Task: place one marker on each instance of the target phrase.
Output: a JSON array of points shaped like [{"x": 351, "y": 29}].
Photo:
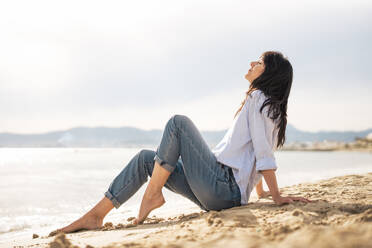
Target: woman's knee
[
  {"x": 146, "y": 155},
  {"x": 180, "y": 120}
]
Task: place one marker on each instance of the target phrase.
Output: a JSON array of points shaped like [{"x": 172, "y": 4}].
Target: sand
[{"x": 339, "y": 216}]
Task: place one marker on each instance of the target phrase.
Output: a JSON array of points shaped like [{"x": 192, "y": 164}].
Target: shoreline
[
  {"x": 340, "y": 215},
  {"x": 289, "y": 149},
  {"x": 369, "y": 150}
]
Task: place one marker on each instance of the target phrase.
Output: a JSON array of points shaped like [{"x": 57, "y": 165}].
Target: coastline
[
  {"x": 340, "y": 215},
  {"x": 366, "y": 150}
]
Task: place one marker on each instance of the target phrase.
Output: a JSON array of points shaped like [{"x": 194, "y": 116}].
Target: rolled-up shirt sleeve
[{"x": 262, "y": 133}]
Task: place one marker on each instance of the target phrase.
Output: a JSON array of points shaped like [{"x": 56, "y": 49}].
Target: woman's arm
[
  {"x": 261, "y": 130},
  {"x": 270, "y": 180},
  {"x": 259, "y": 188}
]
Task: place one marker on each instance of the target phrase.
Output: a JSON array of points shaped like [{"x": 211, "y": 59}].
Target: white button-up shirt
[{"x": 249, "y": 144}]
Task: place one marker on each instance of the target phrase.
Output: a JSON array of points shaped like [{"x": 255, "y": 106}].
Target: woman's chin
[{"x": 246, "y": 77}]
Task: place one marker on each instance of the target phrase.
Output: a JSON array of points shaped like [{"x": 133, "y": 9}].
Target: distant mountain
[
  {"x": 84, "y": 137},
  {"x": 293, "y": 134},
  {"x": 130, "y": 136}
]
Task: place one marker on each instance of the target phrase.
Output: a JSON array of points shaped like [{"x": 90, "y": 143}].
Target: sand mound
[
  {"x": 339, "y": 216},
  {"x": 61, "y": 241}
]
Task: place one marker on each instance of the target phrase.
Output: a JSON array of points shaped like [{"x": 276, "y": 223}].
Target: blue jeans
[{"x": 196, "y": 175}]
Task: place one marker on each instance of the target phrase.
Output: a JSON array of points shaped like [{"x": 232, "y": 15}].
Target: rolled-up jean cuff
[
  {"x": 164, "y": 164},
  {"x": 112, "y": 199}
]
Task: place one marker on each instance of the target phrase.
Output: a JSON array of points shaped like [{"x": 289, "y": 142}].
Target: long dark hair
[{"x": 275, "y": 82}]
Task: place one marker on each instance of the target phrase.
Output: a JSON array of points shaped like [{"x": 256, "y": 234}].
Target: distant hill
[
  {"x": 293, "y": 134},
  {"x": 134, "y": 137}
]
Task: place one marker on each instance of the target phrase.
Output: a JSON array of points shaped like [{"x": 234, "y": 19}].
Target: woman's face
[{"x": 257, "y": 68}]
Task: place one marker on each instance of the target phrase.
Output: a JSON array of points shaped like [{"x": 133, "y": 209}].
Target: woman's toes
[
  {"x": 135, "y": 221},
  {"x": 148, "y": 204},
  {"x": 53, "y": 233},
  {"x": 88, "y": 222}
]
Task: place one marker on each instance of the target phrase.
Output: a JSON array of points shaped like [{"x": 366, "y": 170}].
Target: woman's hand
[
  {"x": 289, "y": 199},
  {"x": 263, "y": 194},
  {"x": 270, "y": 179}
]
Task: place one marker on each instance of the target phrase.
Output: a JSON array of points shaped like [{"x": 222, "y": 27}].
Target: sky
[{"x": 65, "y": 64}]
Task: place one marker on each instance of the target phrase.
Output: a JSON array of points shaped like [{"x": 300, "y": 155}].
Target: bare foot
[
  {"x": 149, "y": 203},
  {"x": 87, "y": 222}
]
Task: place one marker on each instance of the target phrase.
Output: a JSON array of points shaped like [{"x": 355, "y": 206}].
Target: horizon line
[{"x": 157, "y": 129}]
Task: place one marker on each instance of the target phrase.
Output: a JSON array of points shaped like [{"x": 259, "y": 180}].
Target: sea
[{"x": 42, "y": 189}]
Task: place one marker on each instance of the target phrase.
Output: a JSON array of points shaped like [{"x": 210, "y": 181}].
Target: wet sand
[{"x": 339, "y": 216}]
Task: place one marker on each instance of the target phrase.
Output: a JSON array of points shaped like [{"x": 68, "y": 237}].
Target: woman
[{"x": 218, "y": 179}]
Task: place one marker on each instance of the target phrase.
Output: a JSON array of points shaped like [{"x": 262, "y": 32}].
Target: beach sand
[{"x": 339, "y": 216}]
